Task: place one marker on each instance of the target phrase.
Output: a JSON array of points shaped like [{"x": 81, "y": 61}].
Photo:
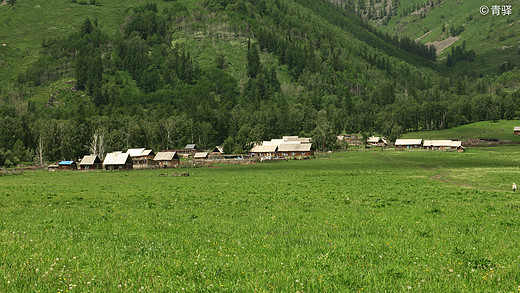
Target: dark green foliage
[
  {"x": 138, "y": 90},
  {"x": 253, "y": 60},
  {"x": 459, "y": 53},
  {"x": 456, "y": 30}
]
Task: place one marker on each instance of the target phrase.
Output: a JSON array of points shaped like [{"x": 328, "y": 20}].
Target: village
[{"x": 288, "y": 147}]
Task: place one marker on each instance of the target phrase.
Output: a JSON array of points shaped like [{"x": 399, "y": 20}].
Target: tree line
[{"x": 136, "y": 89}]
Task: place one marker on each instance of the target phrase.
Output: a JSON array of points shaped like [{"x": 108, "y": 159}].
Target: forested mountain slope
[
  {"x": 490, "y": 36},
  {"x": 161, "y": 74}
]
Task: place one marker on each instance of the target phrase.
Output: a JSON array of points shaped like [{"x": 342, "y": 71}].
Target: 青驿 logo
[
  {"x": 484, "y": 10},
  {"x": 496, "y": 10}
]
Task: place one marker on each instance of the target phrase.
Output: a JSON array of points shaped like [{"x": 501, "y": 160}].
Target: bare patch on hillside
[{"x": 440, "y": 46}]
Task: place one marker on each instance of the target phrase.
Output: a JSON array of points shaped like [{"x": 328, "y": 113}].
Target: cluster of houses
[
  {"x": 131, "y": 159},
  {"x": 141, "y": 158},
  {"x": 400, "y": 144},
  {"x": 455, "y": 145},
  {"x": 287, "y": 146}
]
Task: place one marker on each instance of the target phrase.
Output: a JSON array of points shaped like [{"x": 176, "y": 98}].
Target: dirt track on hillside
[{"x": 440, "y": 46}]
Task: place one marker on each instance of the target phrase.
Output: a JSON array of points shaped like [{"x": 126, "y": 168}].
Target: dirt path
[
  {"x": 440, "y": 46},
  {"x": 440, "y": 177},
  {"x": 422, "y": 37}
]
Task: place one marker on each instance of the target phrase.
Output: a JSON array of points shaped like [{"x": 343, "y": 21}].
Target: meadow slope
[
  {"x": 502, "y": 130},
  {"x": 355, "y": 221}
]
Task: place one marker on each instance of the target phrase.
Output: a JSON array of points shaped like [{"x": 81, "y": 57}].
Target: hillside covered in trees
[
  {"x": 490, "y": 38},
  {"x": 229, "y": 73}
]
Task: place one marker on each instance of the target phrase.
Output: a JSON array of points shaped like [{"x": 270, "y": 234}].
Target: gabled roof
[
  {"x": 218, "y": 149},
  {"x": 165, "y": 156},
  {"x": 191, "y": 146},
  {"x": 408, "y": 141},
  {"x": 517, "y": 128},
  {"x": 294, "y": 147},
  {"x": 117, "y": 158},
  {"x": 264, "y": 149},
  {"x": 373, "y": 139},
  {"x": 456, "y": 143},
  {"x": 296, "y": 139},
  {"x": 139, "y": 152},
  {"x": 437, "y": 143},
  {"x": 147, "y": 153},
  {"x": 135, "y": 152},
  {"x": 66, "y": 163},
  {"x": 201, "y": 155},
  {"x": 90, "y": 160}
]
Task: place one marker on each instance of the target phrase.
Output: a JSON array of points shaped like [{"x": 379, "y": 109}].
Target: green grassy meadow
[
  {"x": 502, "y": 130},
  {"x": 350, "y": 222}
]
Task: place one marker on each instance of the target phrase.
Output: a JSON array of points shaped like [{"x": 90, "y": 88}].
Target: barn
[
  {"x": 408, "y": 143},
  {"x": 67, "y": 165},
  {"x": 516, "y": 130},
  {"x": 142, "y": 158},
  {"x": 91, "y": 162},
  {"x": 167, "y": 159},
  {"x": 118, "y": 161}
]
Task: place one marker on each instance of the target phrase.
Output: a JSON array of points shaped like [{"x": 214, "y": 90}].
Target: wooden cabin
[
  {"x": 285, "y": 147},
  {"x": 201, "y": 156},
  {"x": 516, "y": 130},
  {"x": 376, "y": 141},
  {"x": 142, "y": 158},
  {"x": 67, "y": 165},
  {"x": 167, "y": 159},
  {"x": 289, "y": 149},
  {"x": 437, "y": 144},
  {"x": 264, "y": 151},
  {"x": 408, "y": 143},
  {"x": 190, "y": 148},
  {"x": 457, "y": 145},
  {"x": 217, "y": 151},
  {"x": 53, "y": 168},
  {"x": 118, "y": 161},
  {"x": 91, "y": 162}
]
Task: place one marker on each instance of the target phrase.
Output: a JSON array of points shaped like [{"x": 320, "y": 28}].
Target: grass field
[
  {"x": 354, "y": 221},
  {"x": 502, "y": 130}
]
